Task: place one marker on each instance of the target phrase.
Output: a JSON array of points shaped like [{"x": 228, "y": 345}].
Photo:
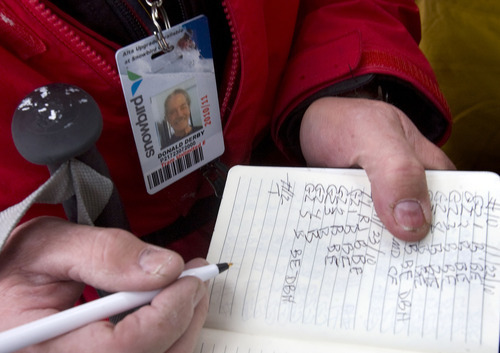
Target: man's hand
[
  {"x": 46, "y": 261},
  {"x": 378, "y": 137}
]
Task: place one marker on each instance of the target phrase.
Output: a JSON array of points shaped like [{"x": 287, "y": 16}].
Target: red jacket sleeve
[{"x": 338, "y": 40}]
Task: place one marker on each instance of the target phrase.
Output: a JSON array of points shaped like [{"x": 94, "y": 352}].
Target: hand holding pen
[{"x": 46, "y": 261}]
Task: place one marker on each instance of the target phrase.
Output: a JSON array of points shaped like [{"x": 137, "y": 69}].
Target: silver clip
[{"x": 159, "y": 14}]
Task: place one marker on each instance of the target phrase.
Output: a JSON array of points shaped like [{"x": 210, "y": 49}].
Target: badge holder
[{"x": 168, "y": 80}]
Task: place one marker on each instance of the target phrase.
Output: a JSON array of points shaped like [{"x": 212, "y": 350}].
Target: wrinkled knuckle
[
  {"x": 405, "y": 172},
  {"x": 175, "y": 315},
  {"x": 204, "y": 305},
  {"x": 103, "y": 246},
  {"x": 411, "y": 168},
  {"x": 177, "y": 321},
  {"x": 381, "y": 108}
]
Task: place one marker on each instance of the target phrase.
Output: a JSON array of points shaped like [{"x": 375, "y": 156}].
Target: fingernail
[
  {"x": 154, "y": 261},
  {"x": 409, "y": 215}
]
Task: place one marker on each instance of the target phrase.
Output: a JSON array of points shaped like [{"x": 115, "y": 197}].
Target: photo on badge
[{"x": 177, "y": 113}]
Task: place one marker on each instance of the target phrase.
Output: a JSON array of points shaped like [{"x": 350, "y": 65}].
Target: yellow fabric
[{"x": 461, "y": 38}]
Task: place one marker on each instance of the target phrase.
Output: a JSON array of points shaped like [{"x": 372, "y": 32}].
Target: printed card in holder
[{"x": 172, "y": 102}]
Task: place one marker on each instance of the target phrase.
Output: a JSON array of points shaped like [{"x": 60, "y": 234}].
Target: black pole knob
[{"x": 55, "y": 123}]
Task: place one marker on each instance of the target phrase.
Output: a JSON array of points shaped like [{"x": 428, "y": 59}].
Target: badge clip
[{"x": 159, "y": 14}]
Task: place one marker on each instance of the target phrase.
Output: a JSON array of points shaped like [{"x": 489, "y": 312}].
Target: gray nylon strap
[{"x": 73, "y": 178}]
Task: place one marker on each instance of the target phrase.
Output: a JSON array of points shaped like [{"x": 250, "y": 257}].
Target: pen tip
[{"x": 224, "y": 266}]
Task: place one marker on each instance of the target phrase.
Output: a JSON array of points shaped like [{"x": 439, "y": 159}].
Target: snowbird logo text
[{"x": 142, "y": 122}]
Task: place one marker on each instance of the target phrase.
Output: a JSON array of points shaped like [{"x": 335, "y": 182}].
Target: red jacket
[{"x": 282, "y": 52}]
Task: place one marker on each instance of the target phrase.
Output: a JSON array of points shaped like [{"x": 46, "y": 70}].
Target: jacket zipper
[
  {"x": 134, "y": 23},
  {"x": 74, "y": 42},
  {"x": 183, "y": 10},
  {"x": 232, "y": 77}
]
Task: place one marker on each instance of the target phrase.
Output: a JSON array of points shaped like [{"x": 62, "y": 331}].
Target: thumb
[
  {"x": 398, "y": 180},
  {"x": 111, "y": 259},
  {"x": 401, "y": 198}
]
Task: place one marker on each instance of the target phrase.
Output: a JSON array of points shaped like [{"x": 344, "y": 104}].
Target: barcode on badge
[{"x": 176, "y": 166}]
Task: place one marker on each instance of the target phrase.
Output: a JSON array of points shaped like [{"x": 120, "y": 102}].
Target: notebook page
[
  {"x": 312, "y": 259},
  {"x": 216, "y": 341}
]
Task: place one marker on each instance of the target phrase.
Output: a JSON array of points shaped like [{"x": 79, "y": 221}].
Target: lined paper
[{"x": 311, "y": 257}]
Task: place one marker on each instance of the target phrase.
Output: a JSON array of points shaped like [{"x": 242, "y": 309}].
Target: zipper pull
[{"x": 215, "y": 173}]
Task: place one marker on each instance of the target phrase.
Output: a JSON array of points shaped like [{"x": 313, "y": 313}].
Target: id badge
[{"x": 172, "y": 102}]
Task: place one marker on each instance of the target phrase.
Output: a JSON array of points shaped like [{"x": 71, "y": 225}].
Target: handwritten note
[{"x": 310, "y": 252}]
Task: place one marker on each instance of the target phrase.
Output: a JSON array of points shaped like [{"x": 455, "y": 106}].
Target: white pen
[{"x": 68, "y": 320}]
